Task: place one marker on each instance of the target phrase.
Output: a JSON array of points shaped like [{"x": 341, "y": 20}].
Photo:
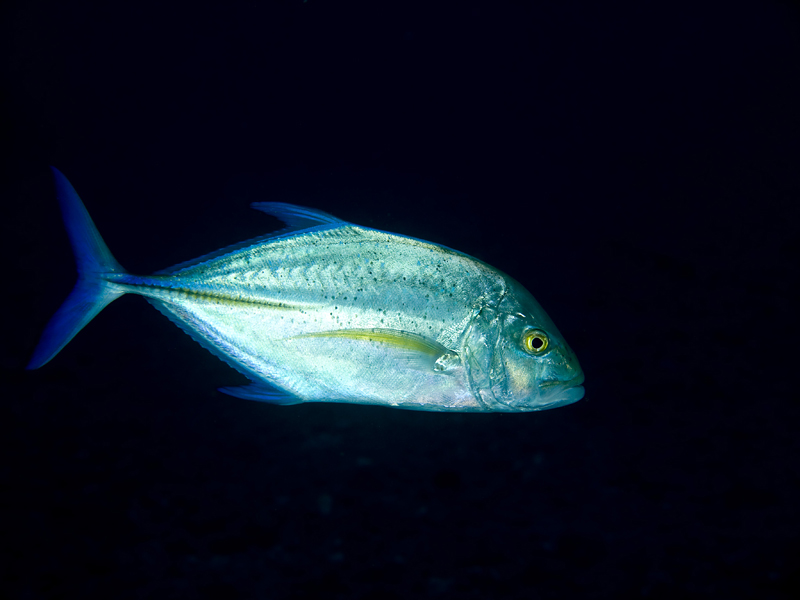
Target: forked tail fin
[{"x": 93, "y": 292}]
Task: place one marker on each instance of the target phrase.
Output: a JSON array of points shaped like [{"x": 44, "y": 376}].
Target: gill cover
[{"x": 482, "y": 363}]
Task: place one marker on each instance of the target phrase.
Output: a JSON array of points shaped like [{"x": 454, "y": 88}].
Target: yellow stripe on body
[{"x": 395, "y": 338}]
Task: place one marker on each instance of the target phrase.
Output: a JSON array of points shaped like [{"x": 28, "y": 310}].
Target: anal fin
[{"x": 261, "y": 392}]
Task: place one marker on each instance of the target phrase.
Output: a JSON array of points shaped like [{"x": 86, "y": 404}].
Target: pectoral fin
[{"x": 413, "y": 349}]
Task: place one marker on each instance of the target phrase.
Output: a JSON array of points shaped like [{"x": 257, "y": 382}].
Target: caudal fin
[{"x": 93, "y": 292}]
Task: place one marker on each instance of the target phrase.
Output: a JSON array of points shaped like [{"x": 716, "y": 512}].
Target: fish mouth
[
  {"x": 568, "y": 392},
  {"x": 576, "y": 381}
]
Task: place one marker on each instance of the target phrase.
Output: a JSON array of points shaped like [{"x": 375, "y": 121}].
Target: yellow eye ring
[{"x": 535, "y": 341}]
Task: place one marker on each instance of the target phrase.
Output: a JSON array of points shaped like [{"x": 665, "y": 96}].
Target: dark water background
[{"x": 636, "y": 166}]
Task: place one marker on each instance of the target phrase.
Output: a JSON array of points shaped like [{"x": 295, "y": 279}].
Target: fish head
[{"x": 530, "y": 365}]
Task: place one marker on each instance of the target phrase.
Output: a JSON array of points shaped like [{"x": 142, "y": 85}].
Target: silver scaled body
[{"x": 328, "y": 311}]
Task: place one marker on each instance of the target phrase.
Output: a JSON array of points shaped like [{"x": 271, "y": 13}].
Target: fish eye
[{"x": 535, "y": 341}]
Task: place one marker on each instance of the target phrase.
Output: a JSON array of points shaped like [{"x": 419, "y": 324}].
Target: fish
[{"x": 325, "y": 310}]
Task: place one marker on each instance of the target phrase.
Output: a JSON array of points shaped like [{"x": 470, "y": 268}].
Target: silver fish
[{"x": 329, "y": 311}]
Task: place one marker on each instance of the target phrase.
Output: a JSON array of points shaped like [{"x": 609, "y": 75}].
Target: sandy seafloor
[{"x": 636, "y": 167}]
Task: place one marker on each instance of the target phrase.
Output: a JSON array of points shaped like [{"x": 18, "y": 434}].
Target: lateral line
[{"x": 143, "y": 288}]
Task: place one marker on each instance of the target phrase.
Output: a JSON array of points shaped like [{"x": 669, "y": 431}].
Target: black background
[{"x": 634, "y": 164}]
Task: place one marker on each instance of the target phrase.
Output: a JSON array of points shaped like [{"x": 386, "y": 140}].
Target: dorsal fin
[{"x": 297, "y": 219}]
